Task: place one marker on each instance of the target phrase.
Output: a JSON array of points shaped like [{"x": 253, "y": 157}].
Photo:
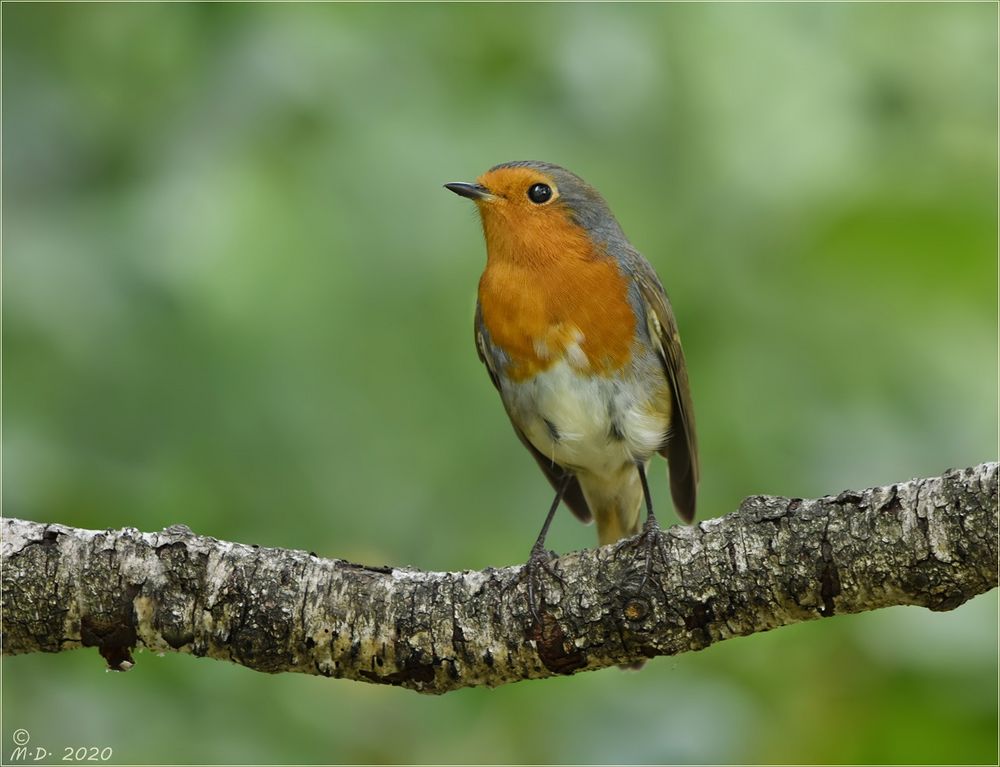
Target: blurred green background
[{"x": 237, "y": 297}]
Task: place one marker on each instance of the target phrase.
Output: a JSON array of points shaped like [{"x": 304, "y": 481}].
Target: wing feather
[{"x": 681, "y": 448}]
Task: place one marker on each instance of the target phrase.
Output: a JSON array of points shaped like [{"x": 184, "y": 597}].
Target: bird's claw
[
  {"x": 650, "y": 542},
  {"x": 538, "y": 561}
]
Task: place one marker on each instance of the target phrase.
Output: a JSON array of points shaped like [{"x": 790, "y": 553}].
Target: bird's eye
[{"x": 539, "y": 193}]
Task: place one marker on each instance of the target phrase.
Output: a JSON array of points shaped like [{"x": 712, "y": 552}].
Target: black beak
[{"x": 472, "y": 191}]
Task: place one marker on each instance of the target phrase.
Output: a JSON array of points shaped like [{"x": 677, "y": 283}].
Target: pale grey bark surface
[{"x": 774, "y": 562}]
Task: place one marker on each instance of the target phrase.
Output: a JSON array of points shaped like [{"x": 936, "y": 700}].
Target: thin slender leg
[
  {"x": 651, "y": 536},
  {"x": 650, "y": 517},
  {"x": 539, "y": 558},
  {"x": 560, "y": 491}
]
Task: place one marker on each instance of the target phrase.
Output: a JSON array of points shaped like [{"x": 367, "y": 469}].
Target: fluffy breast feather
[
  {"x": 539, "y": 316},
  {"x": 595, "y": 424}
]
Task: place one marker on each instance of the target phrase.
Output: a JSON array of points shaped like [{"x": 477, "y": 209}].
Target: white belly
[{"x": 587, "y": 423}]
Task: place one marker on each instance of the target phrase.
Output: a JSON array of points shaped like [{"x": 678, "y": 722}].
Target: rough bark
[{"x": 774, "y": 562}]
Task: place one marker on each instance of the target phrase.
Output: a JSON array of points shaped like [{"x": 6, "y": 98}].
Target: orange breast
[{"x": 548, "y": 295}]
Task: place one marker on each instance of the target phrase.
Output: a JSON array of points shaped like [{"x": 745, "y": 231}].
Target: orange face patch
[{"x": 548, "y": 293}]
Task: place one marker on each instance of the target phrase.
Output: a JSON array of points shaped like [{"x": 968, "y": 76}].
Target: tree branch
[{"x": 774, "y": 562}]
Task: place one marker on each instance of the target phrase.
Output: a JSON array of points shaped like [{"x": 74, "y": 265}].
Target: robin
[{"x": 579, "y": 338}]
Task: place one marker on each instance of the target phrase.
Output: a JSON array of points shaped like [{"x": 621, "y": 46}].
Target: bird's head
[{"x": 536, "y": 210}]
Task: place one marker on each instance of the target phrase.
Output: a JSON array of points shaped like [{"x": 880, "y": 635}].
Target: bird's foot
[
  {"x": 538, "y": 563},
  {"x": 650, "y": 544}
]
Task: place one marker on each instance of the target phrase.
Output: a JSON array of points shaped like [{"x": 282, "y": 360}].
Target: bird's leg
[
  {"x": 539, "y": 557},
  {"x": 651, "y": 538}
]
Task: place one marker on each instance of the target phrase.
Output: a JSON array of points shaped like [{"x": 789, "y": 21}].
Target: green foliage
[{"x": 237, "y": 297}]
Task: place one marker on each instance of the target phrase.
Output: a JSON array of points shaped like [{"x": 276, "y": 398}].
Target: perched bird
[{"x": 579, "y": 338}]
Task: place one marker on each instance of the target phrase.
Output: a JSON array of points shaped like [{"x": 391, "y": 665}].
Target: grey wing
[
  {"x": 681, "y": 449},
  {"x": 573, "y": 496}
]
